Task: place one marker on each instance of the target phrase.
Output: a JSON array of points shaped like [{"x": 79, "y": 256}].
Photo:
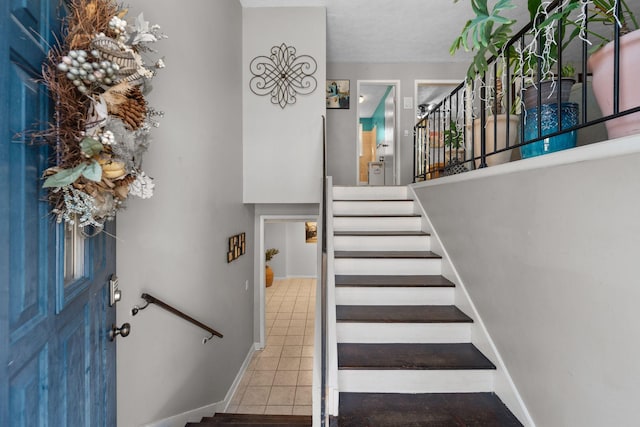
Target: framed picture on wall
[
  {"x": 337, "y": 93},
  {"x": 311, "y": 232}
]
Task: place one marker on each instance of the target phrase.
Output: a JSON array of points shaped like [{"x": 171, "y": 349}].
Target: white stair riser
[
  {"x": 377, "y": 224},
  {"x": 387, "y": 266},
  {"x": 393, "y": 333},
  {"x": 394, "y": 296},
  {"x": 415, "y": 381},
  {"x": 382, "y": 243},
  {"x": 370, "y": 193},
  {"x": 373, "y": 208}
]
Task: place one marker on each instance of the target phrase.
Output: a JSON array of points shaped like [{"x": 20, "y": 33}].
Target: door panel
[{"x": 57, "y": 364}]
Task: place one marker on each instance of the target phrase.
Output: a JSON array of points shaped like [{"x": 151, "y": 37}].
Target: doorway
[{"x": 377, "y": 132}]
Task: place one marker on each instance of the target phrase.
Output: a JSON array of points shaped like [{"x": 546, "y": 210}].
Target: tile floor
[{"x": 279, "y": 378}]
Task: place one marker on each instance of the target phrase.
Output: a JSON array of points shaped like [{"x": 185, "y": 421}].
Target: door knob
[{"x": 123, "y": 331}]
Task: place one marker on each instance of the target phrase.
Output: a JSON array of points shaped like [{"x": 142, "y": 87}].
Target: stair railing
[
  {"x": 150, "y": 299},
  {"x": 454, "y": 115}
]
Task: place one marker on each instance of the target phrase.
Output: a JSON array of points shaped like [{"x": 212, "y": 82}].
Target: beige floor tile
[
  {"x": 303, "y": 396},
  {"x": 281, "y": 395},
  {"x": 269, "y": 322},
  {"x": 282, "y": 323},
  {"x": 291, "y": 351},
  {"x": 305, "y": 378},
  {"x": 296, "y": 316},
  {"x": 297, "y": 323},
  {"x": 306, "y": 364},
  {"x": 302, "y": 410},
  {"x": 275, "y": 340},
  {"x": 255, "y": 395},
  {"x": 252, "y": 364},
  {"x": 296, "y": 331},
  {"x": 270, "y": 315},
  {"x": 289, "y": 364},
  {"x": 267, "y": 364},
  {"x": 251, "y": 409},
  {"x": 308, "y": 340},
  {"x": 237, "y": 396},
  {"x": 271, "y": 351},
  {"x": 307, "y": 351},
  {"x": 295, "y": 340},
  {"x": 285, "y": 309},
  {"x": 308, "y": 331},
  {"x": 279, "y": 410},
  {"x": 283, "y": 316},
  {"x": 244, "y": 381},
  {"x": 286, "y": 377},
  {"x": 278, "y": 331},
  {"x": 262, "y": 378}
]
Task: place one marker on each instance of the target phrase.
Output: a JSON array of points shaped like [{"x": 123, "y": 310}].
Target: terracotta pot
[
  {"x": 501, "y": 139},
  {"x": 268, "y": 275},
  {"x": 601, "y": 65}
]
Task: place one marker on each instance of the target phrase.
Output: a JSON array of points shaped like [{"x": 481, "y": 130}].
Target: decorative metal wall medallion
[{"x": 283, "y": 75}]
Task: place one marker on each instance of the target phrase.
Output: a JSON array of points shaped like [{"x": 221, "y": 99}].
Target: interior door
[{"x": 57, "y": 363}]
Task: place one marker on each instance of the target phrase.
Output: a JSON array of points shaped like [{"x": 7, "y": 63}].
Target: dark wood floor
[{"x": 428, "y": 410}]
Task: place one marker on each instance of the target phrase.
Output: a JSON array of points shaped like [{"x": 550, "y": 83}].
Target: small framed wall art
[
  {"x": 237, "y": 246},
  {"x": 337, "y": 93}
]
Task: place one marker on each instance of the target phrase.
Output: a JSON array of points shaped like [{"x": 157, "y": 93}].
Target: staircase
[{"x": 404, "y": 351}]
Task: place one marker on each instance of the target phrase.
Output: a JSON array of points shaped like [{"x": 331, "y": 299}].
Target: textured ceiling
[{"x": 391, "y": 31}]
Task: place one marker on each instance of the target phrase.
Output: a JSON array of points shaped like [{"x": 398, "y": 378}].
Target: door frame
[
  {"x": 260, "y": 292},
  {"x": 396, "y": 132}
]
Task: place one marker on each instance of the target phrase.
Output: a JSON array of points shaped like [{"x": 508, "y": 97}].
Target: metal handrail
[
  {"x": 323, "y": 281},
  {"x": 150, "y": 299}
]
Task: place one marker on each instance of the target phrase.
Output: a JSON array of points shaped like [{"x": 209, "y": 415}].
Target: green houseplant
[
  {"x": 486, "y": 34},
  {"x": 268, "y": 255}
]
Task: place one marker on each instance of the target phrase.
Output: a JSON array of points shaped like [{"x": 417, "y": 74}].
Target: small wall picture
[
  {"x": 338, "y": 93},
  {"x": 311, "y": 231},
  {"x": 237, "y": 247}
]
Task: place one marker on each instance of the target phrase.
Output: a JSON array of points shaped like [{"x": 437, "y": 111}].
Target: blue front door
[{"x": 57, "y": 364}]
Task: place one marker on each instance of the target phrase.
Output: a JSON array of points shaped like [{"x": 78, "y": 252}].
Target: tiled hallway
[{"x": 279, "y": 378}]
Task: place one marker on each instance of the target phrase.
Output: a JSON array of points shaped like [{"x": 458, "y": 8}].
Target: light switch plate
[{"x": 408, "y": 103}]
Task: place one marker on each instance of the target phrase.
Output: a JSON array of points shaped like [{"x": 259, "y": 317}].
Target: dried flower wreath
[{"x": 97, "y": 79}]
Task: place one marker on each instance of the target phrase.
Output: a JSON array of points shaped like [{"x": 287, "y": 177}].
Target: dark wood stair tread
[
  {"x": 427, "y": 409},
  {"x": 380, "y": 233},
  {"x": 401, "y": 314},
  {"x": 411, "y": 356},
  {"x": 223, "y": 418},
  {"x": 386, "y": 254},
  {"x": 411, "y": 281}
]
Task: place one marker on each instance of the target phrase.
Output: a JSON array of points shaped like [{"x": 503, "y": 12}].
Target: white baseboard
[{"x": 196, "y": 415}]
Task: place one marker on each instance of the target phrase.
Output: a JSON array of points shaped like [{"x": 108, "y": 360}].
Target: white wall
[
  {"x": 342, "y": 131},
  {"x": 302, "y": 257},
  {"x": 296, "y": 258},
  {"x": 174, "y": 245},
  {"x": 283, "y": 147},
  {"x": 275, "y": 236},
  {"x": 548, "y": 256}
]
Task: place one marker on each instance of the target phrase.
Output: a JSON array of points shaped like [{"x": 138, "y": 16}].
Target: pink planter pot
[{"x": 601, "y": 65}]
